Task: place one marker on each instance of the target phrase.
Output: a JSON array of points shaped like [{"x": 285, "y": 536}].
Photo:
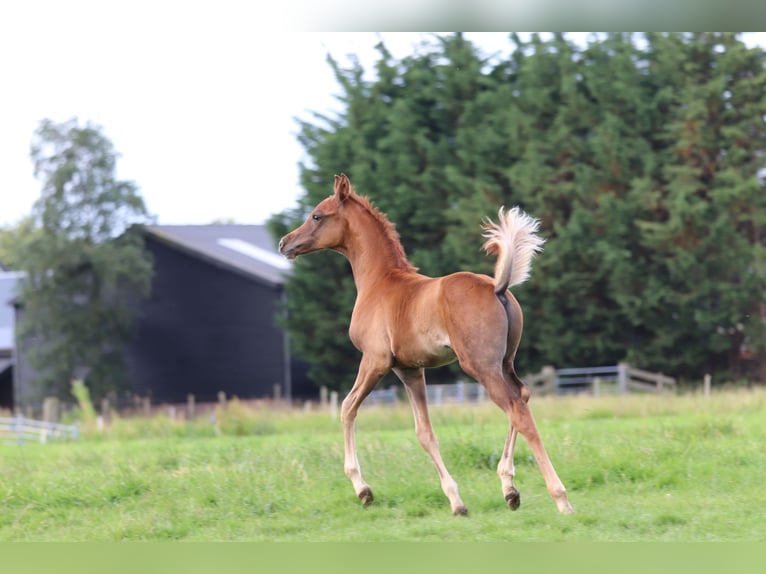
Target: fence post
[
  {"x": 147, "y": 404},
  {"x": 19, "y": 428},
  {"x": 50, "y": 409},
  {"x": 277, "y": 392},
  {"x": 597, "y": 387},
  {"x": 334, "y": 404},
  {"x": 549, "y": 379},
  {"x": 622, "y": 377},
  {"x": 460, "y": 392},
  {"x": 104, "y": 411},
  {"x": 706, "y": 384},
  {"x": 190, "y": 406}
]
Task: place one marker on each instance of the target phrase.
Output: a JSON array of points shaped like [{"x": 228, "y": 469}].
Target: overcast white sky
[{"x": 199, "y": 102}]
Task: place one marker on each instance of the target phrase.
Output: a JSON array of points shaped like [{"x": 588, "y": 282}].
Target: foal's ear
[{"x": 342, "y": 187}]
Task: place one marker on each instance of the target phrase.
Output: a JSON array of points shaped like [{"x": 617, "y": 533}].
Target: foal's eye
[{"x": 316, "y": 217}]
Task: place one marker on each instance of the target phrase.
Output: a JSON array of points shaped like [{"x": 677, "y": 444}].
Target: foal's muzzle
[{"x": 289, "y": 252}]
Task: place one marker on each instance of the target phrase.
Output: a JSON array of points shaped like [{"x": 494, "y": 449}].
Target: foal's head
[{"x": 325, "y": 226}]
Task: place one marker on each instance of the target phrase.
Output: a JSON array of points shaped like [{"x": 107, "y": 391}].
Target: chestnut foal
[{"x": 406, "y": 322}]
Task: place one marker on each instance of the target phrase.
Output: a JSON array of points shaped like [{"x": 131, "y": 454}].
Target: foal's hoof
[
  {"x": 365, "y": 495},
  {"x": 566, "y": 508},
  {"x": 460, "y": 511},
  {"x": 513, "y": 498}
]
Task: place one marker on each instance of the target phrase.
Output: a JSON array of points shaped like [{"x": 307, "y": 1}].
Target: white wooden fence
[
  {"x": 459, "y": 392},
  {"x": 617, "y": 379},
  {"x": 20, "y": 429}
]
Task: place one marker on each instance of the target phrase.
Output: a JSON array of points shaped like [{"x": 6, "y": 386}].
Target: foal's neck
[{"x": 372, "y": 246}]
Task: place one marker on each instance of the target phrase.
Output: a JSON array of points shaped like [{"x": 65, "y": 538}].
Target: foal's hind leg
[
  {"x": 415, "y": 385},
  {"x": 506, "y": 471},
  {"x": 505, "y": 467},
  {"x": 521, "y": 418},
  {"x": 509, "y": 398}
]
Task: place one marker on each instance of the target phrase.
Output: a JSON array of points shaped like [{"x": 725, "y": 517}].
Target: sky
[{"x": 199, "y": 101}]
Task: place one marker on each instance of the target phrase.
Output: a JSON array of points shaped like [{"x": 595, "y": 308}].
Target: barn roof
[{"x": 247, "y": 249}]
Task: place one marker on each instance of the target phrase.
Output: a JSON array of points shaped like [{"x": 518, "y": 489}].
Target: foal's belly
[
  {"x": 439, "y": 359},
  {"x": 435, "y": 352}
]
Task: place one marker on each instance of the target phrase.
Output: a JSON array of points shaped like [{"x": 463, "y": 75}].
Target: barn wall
[
  {"x": 6, "y": 384},
  {"x": 204, "y": 329}
]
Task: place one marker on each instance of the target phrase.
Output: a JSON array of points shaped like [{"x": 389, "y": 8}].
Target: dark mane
[{"x": 389, "y": 231}]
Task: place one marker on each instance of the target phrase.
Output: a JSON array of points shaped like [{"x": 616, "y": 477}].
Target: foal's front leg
[
  {"x": 415, "y": 385},
  {"x": 370, "y": 373}
]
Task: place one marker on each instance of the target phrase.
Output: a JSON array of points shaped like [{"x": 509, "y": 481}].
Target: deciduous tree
[{"x": 85, "y": 267}]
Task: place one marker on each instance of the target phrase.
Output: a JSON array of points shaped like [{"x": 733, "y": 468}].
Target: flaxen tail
[{"x": 514, "y": 241}]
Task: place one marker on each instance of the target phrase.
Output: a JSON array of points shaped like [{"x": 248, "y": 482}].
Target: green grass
[{"x": 637, "y": 468}]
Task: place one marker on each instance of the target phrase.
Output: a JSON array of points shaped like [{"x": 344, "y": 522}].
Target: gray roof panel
[{"x": 248, "y": 249}]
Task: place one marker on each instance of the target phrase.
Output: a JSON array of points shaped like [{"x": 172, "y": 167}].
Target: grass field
[{"x": 637, "y": 468}]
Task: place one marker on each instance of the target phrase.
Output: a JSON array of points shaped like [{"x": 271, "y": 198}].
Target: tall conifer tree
[{"x": 642, "y": 155}]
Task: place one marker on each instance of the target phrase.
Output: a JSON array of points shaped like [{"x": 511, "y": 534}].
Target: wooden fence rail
[
  {"x": 653, "y": 382},
  {"x": 583, "y": 379},
  {"x": 617, "y": 379},
  {"x": 20, "y": 429}
]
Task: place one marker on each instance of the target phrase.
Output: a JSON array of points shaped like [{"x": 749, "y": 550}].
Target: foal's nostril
[{"x": 281, "y": 243}]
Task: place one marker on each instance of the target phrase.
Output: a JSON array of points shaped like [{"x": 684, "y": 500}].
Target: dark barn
[
  {"x": 8, "y": 283},
  {"x": 210, "y": 323}
]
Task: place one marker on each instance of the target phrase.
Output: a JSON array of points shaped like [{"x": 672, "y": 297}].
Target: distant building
[
  {"x": 8, "y": 283},
  {"x": 210, "y": 322}
]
